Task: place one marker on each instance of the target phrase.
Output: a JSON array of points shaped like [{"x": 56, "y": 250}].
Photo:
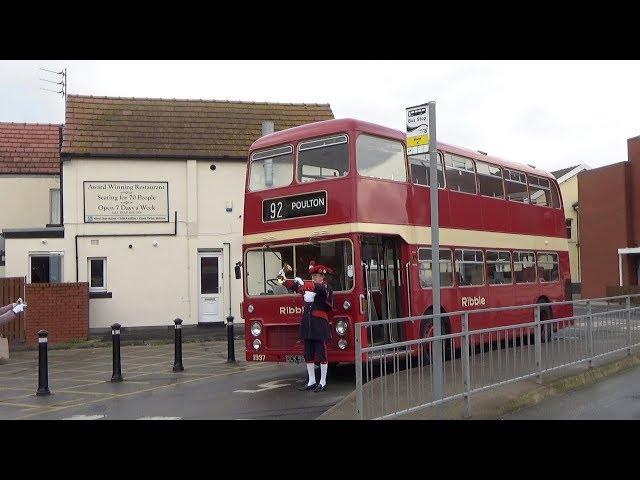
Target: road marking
[
  {"x": 268, "y": 386},
  {"x": 160, "y": 418},
  {"x": 84, "y": 417},
  {"x": 122, "y": 395}
]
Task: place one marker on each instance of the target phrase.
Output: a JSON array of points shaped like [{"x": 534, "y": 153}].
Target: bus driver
[{"x": 314, "y": 325}]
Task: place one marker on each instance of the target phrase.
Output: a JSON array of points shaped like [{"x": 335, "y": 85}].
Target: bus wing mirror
[{"x": 237, "y": 269}]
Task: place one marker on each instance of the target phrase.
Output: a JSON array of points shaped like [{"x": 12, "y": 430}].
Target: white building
[
  {"x": 152, "y": 206},
  {"x": 29, "y": 177}
]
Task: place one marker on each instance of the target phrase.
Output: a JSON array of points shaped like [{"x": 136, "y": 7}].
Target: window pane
[
  {"x": 470, "y": 267},
  {"x": 490, "y": 180},
  {"x": 263, "y": 266},
  {"x": 272, "y": 168},
  {"x": 460, "y": 173},
  {"x": 548, "y": 270},
  {"x": 499, "y": 268},
  {"x": 97, "y": 273},
  {"x": 424, "y": 268},
  {"x": 421, "y": 170},
  {"x": 323, "y": 158},
  {"x": 54, "y": 206},
  {"x": 568, "y": 223},
  {"x": 524, "y": 267},
  {"x": 46, "y": 269},
  {"x": 209, "y": 275},
  {"x": 380, "y": 158},
  {"x": 515, "y": 184},
  {"x": 540, "y": 191},
  {"x": 555, "y": 198}
]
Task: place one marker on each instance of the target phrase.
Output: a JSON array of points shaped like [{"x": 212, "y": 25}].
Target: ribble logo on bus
[
  {"x": 473, "y": 301},
  {"x": 295, "y": 206},
  {"x": 290, "y": 310}
]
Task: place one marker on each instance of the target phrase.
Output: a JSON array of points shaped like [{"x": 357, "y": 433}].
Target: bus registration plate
[{"x": 294, "y": 358}]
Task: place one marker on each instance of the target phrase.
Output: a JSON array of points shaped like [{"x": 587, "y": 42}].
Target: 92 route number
[
  {"x": 295, "y": 206},
  {"x": 275, "y": 210}
]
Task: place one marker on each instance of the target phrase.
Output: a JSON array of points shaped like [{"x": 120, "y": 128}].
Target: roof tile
[
  {"x": 29, "y": 148},
  {"x": 155, "y": 126}
]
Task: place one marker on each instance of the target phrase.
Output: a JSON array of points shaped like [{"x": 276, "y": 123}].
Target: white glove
[
  {"x": 299, "y": 281},
  {"x": 19, "y": 308},
  {"x": 309, "y": 296}
]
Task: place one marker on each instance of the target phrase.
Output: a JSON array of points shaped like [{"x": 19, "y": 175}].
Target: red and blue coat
[{"x": 314, "y": 324}]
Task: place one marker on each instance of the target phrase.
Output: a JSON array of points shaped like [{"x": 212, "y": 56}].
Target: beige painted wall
[
  {"x": 151, "y": 284},
  {"x": 24, "y": 200},
  {"x": 569, "y": 190}
]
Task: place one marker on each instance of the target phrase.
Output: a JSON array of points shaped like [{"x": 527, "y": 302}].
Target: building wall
[
  {"x": 25, "y": 200},
  {"x": 569, "y": 191},
  {"x": 604, "y": 226},
  {"x": 151, "y": 284}
]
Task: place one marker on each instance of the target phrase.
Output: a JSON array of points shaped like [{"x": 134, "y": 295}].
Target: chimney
[{"x": 267, "y": 127}]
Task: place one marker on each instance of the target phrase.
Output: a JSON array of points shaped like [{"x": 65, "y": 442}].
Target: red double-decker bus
[{"x": 345, "y": 194}]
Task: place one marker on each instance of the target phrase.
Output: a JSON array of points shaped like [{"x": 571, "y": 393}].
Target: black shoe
[
  {"x": 320, "y": 388},
  {"x": 308, "y": 387}
]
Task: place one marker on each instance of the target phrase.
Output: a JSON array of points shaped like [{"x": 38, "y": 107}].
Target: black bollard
[
  {"x": 43, "y": 364},
  {"x": 177, "y": 362},
  {"x": 231, "y": 351},
  {"x": 115, "y": 337}
]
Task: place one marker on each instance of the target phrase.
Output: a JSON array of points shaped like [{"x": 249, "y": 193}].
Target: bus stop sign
[{"x": 418, "y": 129}]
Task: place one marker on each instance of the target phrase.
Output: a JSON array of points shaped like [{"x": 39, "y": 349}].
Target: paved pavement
[
  {"x": 209, "y": 388},
  {"x": 614, "y": 398}
]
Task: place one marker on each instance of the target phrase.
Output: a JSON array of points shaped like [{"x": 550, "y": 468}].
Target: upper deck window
[
  {"x": 540, "y": 191},
  {"x": 421, "y": 169},
  {"x": 490, "y": 180},
  {"x": 461, "y": 176},
  {"x": 271, "y": 168},
  {"x": 323, "y": 158},
  {"x": 381, "y": 158},
  {"x": 515, "y": 184}
]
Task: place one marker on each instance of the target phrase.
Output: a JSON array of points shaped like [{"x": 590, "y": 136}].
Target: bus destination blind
[{"x": 293, "y": 207}]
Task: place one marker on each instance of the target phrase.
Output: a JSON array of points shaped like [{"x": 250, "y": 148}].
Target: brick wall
[{"x": 60, "y": 308}]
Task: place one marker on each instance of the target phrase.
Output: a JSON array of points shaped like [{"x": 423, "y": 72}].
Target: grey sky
[{"x": 551, "y": 114}]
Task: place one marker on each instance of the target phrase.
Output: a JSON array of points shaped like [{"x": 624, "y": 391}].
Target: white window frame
[
  {"x": 557, "y": 262},
  {"x": 472, "y": 262},
  {"x": 486, "y": 256},
  {"x": 59, "y": 213},
  {"x": 45, "y": 254},
  {"x": 451, "y": 263},
  {"x": 104, "y": 274}
]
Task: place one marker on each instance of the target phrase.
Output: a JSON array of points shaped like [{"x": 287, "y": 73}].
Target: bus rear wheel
[
  {"x": 546, "y": 329},
  {"x": 426, "y": 331}
]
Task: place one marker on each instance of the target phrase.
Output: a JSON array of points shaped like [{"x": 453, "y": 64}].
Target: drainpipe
[{"x": 229, "y": 272}]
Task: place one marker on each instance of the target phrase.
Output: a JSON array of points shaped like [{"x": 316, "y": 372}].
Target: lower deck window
[
  {"x": 45, "y": 268},
  {"x": 548, "y": 269},
  {"x": 470, "y": 267},
  {"x": 499, "y": 268},
  {"x": 524, "y": 267},
  {"x": 263, "y": 265},
  {"x": 426, "y": 275}
]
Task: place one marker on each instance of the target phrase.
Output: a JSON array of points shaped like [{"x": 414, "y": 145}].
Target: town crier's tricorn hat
[{"x": 318, "y": 268}]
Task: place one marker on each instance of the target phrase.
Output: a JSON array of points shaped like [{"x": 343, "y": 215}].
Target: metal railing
[{"x": 396, "y": 378}]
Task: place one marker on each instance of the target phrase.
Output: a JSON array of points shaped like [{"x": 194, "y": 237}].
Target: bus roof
[{"x": 328, "y": 127}]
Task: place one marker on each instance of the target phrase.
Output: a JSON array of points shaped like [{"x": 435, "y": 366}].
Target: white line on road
[
  {"x": 84, "y": 417},
  {"x": 160, "y": 418},
  {"x": 269, "y": 386}
]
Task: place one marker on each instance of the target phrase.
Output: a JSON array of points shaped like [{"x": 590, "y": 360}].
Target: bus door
[{"x": 382, "y": 274}]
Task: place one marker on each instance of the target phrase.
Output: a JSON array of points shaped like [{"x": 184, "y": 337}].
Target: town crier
[{"x": 314, "y": 325}]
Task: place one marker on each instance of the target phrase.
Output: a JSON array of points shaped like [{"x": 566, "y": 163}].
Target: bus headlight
[
  {"x": 342, "y": 344},
  {"x": 256, "y": 328},
  {"x": 346, "y": 305},
  {"x": 257, "y": 343},
  {"x": 341, "y": 327},
  {"x": 250, "y": 308}
]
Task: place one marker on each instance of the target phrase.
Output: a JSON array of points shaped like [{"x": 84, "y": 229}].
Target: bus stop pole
[{"x": 435, "y": 256}]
